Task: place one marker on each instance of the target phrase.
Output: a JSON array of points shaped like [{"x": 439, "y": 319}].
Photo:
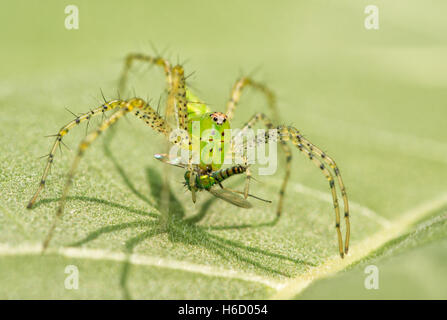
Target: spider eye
[{"x": 215, "y": 119}]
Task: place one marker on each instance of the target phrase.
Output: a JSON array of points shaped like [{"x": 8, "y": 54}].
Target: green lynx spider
[{"x": 185, "y": 106}]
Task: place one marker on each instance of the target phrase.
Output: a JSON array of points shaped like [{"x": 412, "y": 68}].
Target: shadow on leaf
[{"x": 179, "y": 229}]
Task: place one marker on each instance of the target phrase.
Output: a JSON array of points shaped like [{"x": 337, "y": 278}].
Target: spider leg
[
  {"x": 146, "y": 113},
  {"x": 331, "y": 163},
  {"x": 136, "y": 105},
  {"x": 152, "y": 118},
  {"x": 286, "y": 149},
  {"x": 62, "y": 132},
  {"x": 236, "y": 94},
  {"x": 319, "y": 158},
  {"x": 176, "y": 112},
  {"x": 158, "y": 61},
  {"x": 177, "y": 102}
]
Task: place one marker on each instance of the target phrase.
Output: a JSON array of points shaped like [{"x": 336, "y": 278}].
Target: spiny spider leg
[
  {"x": 177, "y": 102},
  {"x": 175, "y": 76},
  {"x": 319, "y": 158},
  {"x": 291, "y": 133},
  {"x": 178, "y": 106},
  {"x": 147, "y": 114},
  {"x": 235, "y": 96},
  {"x": 176, "y": 112},
  {"x": 145, "y": 58},
  {"x": 236, "y": 93},
  {"x": 286, "y": 149},
  {"x": 136, "y": 105},
  {"x": 329, "y": 161},
  {"x": 62, "y": 132}
]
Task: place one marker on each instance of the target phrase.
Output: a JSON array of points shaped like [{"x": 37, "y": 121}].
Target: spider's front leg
[
  {"x": 235, "y": 96},
  {"x": 177, "y": 107},
  {"x": 141, "y": 109},
  {"x": 59, "y": 136},
  {"x": 176, "y": 113}
]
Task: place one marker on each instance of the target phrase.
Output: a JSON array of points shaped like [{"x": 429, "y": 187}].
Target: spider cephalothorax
[{"x": 183, "y": 109}]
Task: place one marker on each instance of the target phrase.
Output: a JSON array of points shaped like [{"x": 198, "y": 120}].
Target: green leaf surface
[
  {"x": 373, "y": 100},
  {"x": 411, "y": 266}
]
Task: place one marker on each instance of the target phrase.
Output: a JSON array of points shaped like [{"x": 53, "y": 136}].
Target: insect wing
[
  {"x": 231, "y": 197},
  {"x": 174, "y": 162}
]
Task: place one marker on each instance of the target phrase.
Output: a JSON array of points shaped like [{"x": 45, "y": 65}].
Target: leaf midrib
[{"x": 284, "y": 289}]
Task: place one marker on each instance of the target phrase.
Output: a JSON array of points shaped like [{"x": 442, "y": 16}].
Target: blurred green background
[{"x": 373, "y": 99}]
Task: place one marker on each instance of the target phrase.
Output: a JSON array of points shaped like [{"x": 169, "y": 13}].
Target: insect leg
[
  {"x": 192, "y": 184},
  {"x": 247, "y": 180}
]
